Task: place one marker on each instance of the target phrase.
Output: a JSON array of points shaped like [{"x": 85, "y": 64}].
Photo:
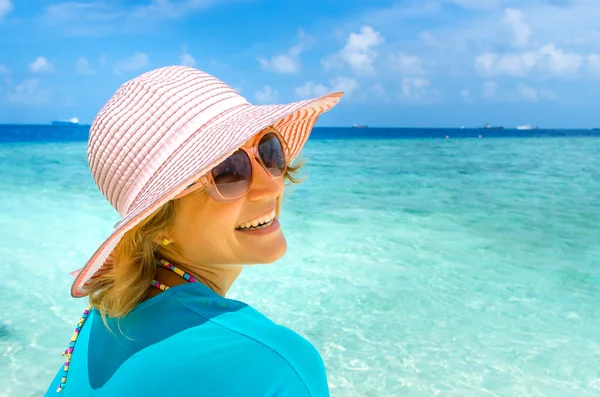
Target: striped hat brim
[{"x": 196, "y": 156}]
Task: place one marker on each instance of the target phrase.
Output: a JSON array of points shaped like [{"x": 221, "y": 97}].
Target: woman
[{"x": 197, "y": 174}]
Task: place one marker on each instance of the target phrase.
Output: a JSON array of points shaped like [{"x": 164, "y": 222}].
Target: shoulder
[
  {"x": 305, "y": 366},
  {"x": 258, "y": 351},
  {"x": 298, "y": 356}
]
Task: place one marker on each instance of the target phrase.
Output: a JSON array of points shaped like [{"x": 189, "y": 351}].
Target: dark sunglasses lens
[
  {"x": 271, "y": 154},
  {"x": 232, "y": 177}
]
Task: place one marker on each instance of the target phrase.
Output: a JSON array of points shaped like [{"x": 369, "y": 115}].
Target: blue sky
[{"x": 412, "y": 63}]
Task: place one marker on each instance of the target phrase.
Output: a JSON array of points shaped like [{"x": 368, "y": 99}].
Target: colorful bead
[
  {"x": 159, "y": 285},
  {"x": 167, "y": 265},
  {"x": 69, "y": 352}
]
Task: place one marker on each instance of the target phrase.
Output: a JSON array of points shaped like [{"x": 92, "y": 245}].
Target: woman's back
[{"x": 189, "y": 341}]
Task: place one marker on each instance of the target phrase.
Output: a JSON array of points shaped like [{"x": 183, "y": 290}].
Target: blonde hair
[{"x": 119, "y": 289}]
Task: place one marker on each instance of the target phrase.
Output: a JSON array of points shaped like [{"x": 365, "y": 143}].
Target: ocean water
[{"x": 417, "y": 267}]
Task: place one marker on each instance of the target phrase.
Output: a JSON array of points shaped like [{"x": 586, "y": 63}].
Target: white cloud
[
  {"x": 267, "y": 95},
  {"x": 168, "y": 9},
  {"x": 284, "y": 64},
  {"x": 415, "y": 87},
  {"x": 527, "y": 93},
  {"x": 288, "y": 63},
  {"x": 100, "y": 17},
  {"x": 82, "y": 66},
  {"x": 163, "y": 8},
  {"x": 594, "y": 62},
  {"x": 103, "y": 60},
  {"x": 358, "y": 53},
  {"x": 101, "y": 11},
  {"x": 311, "y": 89},
  {"x": 513, "y": 64},
  {"x": 547, "y": 59},
  {"x": 398, "y": 13},
  {"x": 5, "y": 7},
  {"x": 510, "y": 41},
  {"x": 28, "y": 86},
  {"x": 476, "y": 4},
  {"x": 489, "y": 89},
  {"x": 428, "y": 38},
  {"x": 135, "y": 62},
  {"x": 521, "y": 32},
  {"x": 345, "y": 84},
  {"x": 332, "y": 61},
  {"x": 4, "y": 69},
  {"x": 560, "y": 62},
  {"x": 521, "y": 92},
  {"x": 187, "y": 59},
  {"x": 466, "y": 95},
  {"x": 407, "y": 64},
  {"x": 77, "y": 11},
  {"x": 378, "y": 91},
  {"x": 530, "y": 94},
  {"x": 28, "y": 92},
  {"x": 548, "y": 95},
  {"x": 40, "y": 65}
]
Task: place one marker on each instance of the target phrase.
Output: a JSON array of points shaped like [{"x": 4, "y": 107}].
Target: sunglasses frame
[{"x": 252, "y": 153}]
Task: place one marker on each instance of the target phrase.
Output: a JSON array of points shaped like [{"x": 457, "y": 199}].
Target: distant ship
[
  {"x": 493, "y": 127},
  {"x": 526, "y": 127},
  {"x": 72, "y": 121},
  {"x": 359, "y": 126}
]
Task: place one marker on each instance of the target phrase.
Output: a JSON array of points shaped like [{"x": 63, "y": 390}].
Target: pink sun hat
[{"x": 165, "y": 129}]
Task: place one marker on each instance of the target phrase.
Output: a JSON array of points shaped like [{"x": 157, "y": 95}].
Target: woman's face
[{"x": 213, "y": 233}]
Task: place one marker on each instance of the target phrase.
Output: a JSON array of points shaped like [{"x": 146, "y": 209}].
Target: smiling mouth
[{"x": 258, "y": 223}]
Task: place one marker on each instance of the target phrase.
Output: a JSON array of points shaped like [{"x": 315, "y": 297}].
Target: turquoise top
[{"x": 190, "y": 341}]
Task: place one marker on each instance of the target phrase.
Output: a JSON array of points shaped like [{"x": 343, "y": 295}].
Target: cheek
[{"x": 207, "y": 231}]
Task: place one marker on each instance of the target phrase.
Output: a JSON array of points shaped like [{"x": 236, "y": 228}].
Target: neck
[{"x": 217, "y": 278}]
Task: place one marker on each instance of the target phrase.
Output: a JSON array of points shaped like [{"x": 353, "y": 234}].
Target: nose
[{"x": 263, "y": 186}]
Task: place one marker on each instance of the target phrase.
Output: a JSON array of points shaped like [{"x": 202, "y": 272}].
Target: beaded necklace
[{"x": 69, "y": 352}]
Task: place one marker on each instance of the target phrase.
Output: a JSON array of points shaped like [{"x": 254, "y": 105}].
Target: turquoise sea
[{"x": 418, "y": 267}]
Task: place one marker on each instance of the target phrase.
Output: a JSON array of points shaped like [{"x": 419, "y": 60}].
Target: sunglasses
[{"x": 231, "y": 179}]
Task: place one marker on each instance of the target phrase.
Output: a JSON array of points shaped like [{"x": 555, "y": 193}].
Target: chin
[{"x": 269, "y": 252}]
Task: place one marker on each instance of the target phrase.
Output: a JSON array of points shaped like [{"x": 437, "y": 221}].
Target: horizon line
[{"x": 367, "y": 127}]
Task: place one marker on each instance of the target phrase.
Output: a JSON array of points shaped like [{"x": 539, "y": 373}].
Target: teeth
[{"x": 258, "y": 221}]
